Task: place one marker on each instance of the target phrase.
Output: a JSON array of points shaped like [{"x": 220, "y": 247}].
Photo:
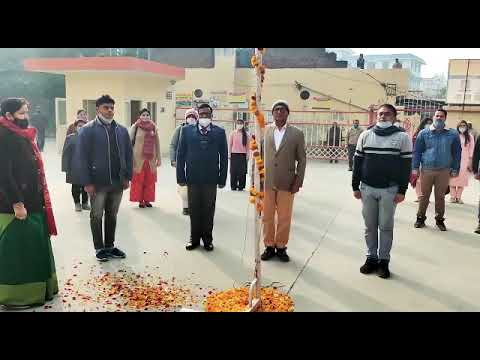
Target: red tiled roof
[{"x": 63, "y": 65}]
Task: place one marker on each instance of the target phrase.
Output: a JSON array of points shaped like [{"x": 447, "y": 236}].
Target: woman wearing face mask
[
  {"x": 191, "y": 118},
  {"x": 417, "y": 183},
  {"x": 81, "y": 115},
  {"x": 146, "y": 159},
  {"x": 457, "y": 184},
  {"x": 238, "y": 150},
  {"x": 27, "y": 268},
  {"x": 67, "y": 167}
]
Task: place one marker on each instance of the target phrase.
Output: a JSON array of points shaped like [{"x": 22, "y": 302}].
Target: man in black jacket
[
  {"x": 103, "y": 164},
  {"x": 39, "y": 122},
  {"x": 202, "y": 163},
  {"x": 381, "y": 171}
]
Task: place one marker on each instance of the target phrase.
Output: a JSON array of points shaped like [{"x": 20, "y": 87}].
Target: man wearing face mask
[
  {"x": 39, "y": 122},
  {"x": 67, "y": 164},
  {"x": 438, "y": 151},
  {"x": 202, "y": 163},
  {"x": 191, "y": 118},
  {"x": 381, "y": 172},
  {"x": 103, "y": 164},
  {"x": 352, "y": 138}
]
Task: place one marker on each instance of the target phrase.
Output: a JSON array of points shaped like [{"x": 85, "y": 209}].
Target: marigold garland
[{"x": 236, "y": 300}]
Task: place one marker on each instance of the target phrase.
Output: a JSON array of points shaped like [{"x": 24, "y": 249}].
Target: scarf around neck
[
  {"x": 30, "y": 134},
  {"x": 149, "y": 143}
]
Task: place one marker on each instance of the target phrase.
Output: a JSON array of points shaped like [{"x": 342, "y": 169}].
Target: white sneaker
[
  {"x": 453, "y": 200},
  {"x": 459, "y": 201},
  {"x": 78, "y": 207}
]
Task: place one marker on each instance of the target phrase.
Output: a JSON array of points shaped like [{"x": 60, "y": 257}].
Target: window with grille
[{"x": 169, "y": 95}]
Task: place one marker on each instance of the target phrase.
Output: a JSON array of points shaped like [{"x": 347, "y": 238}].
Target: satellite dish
[
  {"x": 304, "y": 95},
  {"x": 198, "y": 93}
]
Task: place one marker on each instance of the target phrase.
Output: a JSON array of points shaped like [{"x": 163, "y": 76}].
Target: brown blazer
[{"x": 289, "y": 161}]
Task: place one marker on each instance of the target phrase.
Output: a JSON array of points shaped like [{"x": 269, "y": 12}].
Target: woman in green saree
[{"x": 27, "y": 267}]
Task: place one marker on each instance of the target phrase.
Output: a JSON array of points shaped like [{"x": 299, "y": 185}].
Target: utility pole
[{"x": 465, "y": 88}]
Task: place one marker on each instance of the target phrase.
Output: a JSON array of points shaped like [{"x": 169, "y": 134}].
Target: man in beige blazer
[{"x": 285, "y": 162}]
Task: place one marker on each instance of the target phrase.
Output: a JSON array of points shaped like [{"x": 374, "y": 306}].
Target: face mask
[
  {"x": 439, "y": 124},
  {"x": 204, "y": 122},
  {"x": 191, "y": 121},
  {"x": 108, "y": 121},
  {"x": 397, "y": 124},
  {"x": 355, "y": 126},
  {"x": 21, "y": 123},
  {"x": 239, "y": 127},
  {"x": 384, "y": 124},
  {"x": 462, "y": 129}
]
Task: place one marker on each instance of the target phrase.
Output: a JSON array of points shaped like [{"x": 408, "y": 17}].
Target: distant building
[
  {"x": 463, "y": 91},
  {"x": 386, "y": 61},
  {"x": 434, "y": 87}
]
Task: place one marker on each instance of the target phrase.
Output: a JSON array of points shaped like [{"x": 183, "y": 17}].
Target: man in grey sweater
[{"x": 381, "y": 172}]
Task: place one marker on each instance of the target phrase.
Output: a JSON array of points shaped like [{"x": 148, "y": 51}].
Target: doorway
[{"x": 135, "y": 107}]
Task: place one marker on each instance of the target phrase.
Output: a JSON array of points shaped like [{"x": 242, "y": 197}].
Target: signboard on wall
[
  {"x": 183, "y": 100},
  {"x": 218, "y": 99},
  {"x": 234, "y": 98}
]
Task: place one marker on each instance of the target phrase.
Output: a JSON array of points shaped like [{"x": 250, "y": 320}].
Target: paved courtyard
[{"x": 431, "y": 271}]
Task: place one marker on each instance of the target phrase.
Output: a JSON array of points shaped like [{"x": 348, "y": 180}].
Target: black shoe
[
  {"x": 102, "y": 255},
  {"x": 350, "y": 169},
  {"x": 185, "y": 211},
  {"x": 382, "y": 270},
  {"x": 85, "y": 206},
  {"x": 441, "y": 225},
  {"x": 420, "y": 223},
  {"x": 191, "y": 245},
  {"x": 336, "y": 161},
  {"x": 148, "y": 205},
  {"x": 241, "y": 189},
  {"x": 208, "y": 246},
  {"x": 370, "y": 266},
  {"x": 234, "y": 189},
  {"x": 141, "y": 205},
  {"x": 282, "y": 255},
  {"x": 477, "y": 230},
  {"x": 331, "y": 161},
  {"x": 268, "y": 253},
  {"x": 116, "y": 253}
]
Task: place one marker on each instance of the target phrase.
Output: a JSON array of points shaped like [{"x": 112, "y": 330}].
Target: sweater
[{"x": 383, "y": 158}]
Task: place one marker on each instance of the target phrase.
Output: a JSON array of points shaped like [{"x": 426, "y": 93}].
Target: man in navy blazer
[{"x": 202, "y": 163}]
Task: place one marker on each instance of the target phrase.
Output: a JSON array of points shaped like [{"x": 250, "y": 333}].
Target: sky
[{"x": 436, "y": 58}]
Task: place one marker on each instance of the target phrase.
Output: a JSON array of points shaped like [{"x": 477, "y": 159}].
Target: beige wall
[
  {"x": 279, "y": 84},
  {"x": 365, "y": 91},
  {"x": 122, "y": 87},
  {"x": 459, "y": 67}
]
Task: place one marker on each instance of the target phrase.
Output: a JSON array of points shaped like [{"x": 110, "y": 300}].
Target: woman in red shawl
[
  {"x": 146, "y": 159},
  {"x": 27, "y": 267}
]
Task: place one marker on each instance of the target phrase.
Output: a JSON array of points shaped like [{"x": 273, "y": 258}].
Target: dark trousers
[
  {"x": 41, "y": 139},
  {"x": 201, "y": 204},
  {"x": 107, "y": 201},
  {"x": 238, "y": 171},
  {"x": 351, "y": 154},
  {"x": 77, "y": 192}
]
